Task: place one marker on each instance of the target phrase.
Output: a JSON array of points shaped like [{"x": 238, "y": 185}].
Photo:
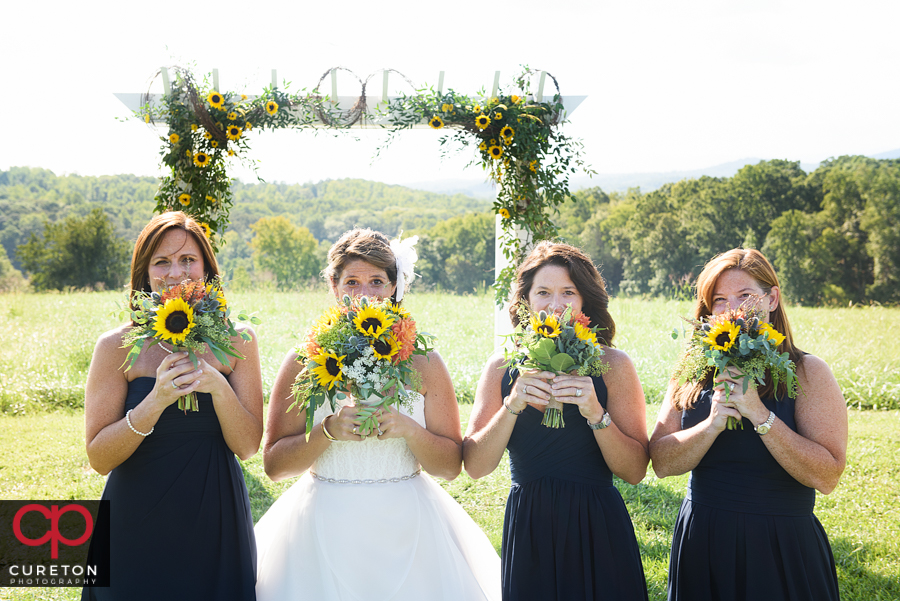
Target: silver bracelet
[
  {"x": 508, "y": 408},
  {"x": 128, "y": 421}
]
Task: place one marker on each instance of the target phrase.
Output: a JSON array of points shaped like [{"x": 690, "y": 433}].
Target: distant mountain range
[{"x": 610, "y": 182}]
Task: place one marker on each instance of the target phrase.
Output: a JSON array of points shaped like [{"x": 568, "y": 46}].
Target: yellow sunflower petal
[{"x": 174, "y": 321}]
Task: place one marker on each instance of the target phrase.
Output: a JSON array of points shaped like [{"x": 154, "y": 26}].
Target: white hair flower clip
[{"x": 406, "y": 256}]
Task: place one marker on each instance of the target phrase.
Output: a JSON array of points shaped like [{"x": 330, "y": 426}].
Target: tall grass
[{"x": 49, "y": 338}]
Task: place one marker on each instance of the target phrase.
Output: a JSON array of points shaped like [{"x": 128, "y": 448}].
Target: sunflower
[
  {"x": 498, "y": 115},
  {"x": 774, "y": 336},
  {"x": 201, "y": 159},
  {"x": 220, "y": 294},
  {"x": 482, "y": 147},
  {"x": 146, "y": 118},
  {"x": 211, "y": 199},
  {"x": 436, "y": 122},
  {"x": 271, "y": 107},
  {"x": 188, "y": 153},
  {"x": 184, "y": 199},
  {"x": 721, "y": 336},
  {"x": 385, "y": 349},
  {"x": 533, "y": 165},
  {"x": 207, "y": 231},
  {"x": 548, "y": 328},
  {"x": 399, "y": 310},
  {"x": 504, "y": 212},
  {"x": 243, "y": 97},
  {"x": 207, "y": 135},
  {"x": 372, "y": 321},
  {"x": 173, "y": 138},
  {"x": 193, "y": 127},
  {"x": 215, "y": 99},
  {"x": 476, "y": 108},
  {"x": 507, "y": 132},
  {"x": 584, "y": 333},
  {"x": 327, "y": 320},
  {"x": 214, "y": 143},
  {"x": 232, "y": 116},
  {"x": 514, "y": 99},
  {"x": 482, "y": 121},
  {"x": 328, "y": 368},
  {"x": 233, "y": 132},
  {"x": 495, "y": 151},
  {"x": 174, "y": 321},
  {"x": 248, "y": 126}
]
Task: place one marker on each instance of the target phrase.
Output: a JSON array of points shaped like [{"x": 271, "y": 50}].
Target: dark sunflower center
[
  {"x": 381, "y": 347},
  {"x": 372, "y": 322},
  {"x": 177, "y": 322},
  {"x": 545, "y": 329},
  {"x": 332, "y": 367},
  {"x": 723, "y": 339},
  {"x": 216, "y": 99}
]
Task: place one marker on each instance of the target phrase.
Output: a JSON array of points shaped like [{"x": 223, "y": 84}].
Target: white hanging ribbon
[{"x": 406, "y": 256}]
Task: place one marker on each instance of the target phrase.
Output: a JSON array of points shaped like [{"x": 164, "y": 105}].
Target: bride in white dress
[{"x": 364, "y": 522}]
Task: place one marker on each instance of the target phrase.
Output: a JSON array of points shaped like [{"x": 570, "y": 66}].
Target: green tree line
[
  {"x": 51, "y": 225},
  {"x": 833, "y": 234}
]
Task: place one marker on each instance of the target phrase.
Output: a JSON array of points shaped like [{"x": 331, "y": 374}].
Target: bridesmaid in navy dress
[
  {"x": 746, "y": 529},
  {"x": 180, "y": 522},
  {"x": 567, "y": 535}
]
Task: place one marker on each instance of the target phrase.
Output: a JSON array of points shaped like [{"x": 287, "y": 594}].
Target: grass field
[{"x": 49, "y": 339}]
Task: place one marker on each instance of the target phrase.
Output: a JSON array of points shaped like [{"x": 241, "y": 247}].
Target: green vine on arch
[{"x": 518, "y": 143}]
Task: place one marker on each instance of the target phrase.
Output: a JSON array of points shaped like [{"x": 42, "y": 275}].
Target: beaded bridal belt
[{"x": 378, "y": 481}]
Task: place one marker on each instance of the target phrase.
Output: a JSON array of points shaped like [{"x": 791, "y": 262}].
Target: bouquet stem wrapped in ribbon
[
  {"x": 558, "y": 343},
  {"x": 191, "y": 316},
  {"x": 736, "y": 338},
  {"x": 363, "y": 347}
]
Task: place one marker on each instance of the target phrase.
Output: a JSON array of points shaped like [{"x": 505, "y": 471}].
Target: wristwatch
[
  {"x": 766, "y": 425},
  {"x": 604, "y": 422}
]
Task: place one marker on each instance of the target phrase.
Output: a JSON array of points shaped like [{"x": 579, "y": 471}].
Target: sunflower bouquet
[
  {"x": 740, "y": 339},
  {"x": 363, "y": 347},
  {"x": 191, "y": 316},
  {"x": 558, "y": 343}
]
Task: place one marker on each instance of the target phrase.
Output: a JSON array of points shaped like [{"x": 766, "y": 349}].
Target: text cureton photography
[{"x": 48, "y": 543}]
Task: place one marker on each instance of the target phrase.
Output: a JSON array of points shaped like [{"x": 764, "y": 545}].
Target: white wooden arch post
[{"x": 347, "y": 104}]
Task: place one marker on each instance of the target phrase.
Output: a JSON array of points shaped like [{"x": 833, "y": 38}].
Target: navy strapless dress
[
  {"x": 180, "y": 521},
  {"x": 746, "y": 529},
  {"x": 567, "y": 535}
]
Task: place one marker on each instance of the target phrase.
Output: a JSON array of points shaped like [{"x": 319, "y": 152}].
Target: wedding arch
[{"x": 516, "y": 132}]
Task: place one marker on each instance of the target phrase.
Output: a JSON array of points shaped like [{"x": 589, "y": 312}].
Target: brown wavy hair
[
  {"x": 151, "y": 237},
  {"x": 365, "y": 244},
  {"x": 753, "y": 263},
  {"x": 588, "y": 281}
]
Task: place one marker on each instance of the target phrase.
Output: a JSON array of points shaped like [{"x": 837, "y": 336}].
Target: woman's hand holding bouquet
[
  {"x": 561, "y": 344},
  {"x": 363, "y": 347}
]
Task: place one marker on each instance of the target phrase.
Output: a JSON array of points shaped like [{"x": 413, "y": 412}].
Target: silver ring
[
  {"x": 355, "y": 430},
  {"x": 525, "y": 389},
  {"x": 731, "y": 387},
  {"x": 174, "y": 385},
  {"x": 577, "y": 392}
]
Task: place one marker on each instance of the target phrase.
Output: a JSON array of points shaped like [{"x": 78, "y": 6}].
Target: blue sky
[{"x": 670, "y": 85}]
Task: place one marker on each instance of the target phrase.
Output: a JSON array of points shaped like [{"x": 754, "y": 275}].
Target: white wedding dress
[{"x": 365, "y": 525}]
